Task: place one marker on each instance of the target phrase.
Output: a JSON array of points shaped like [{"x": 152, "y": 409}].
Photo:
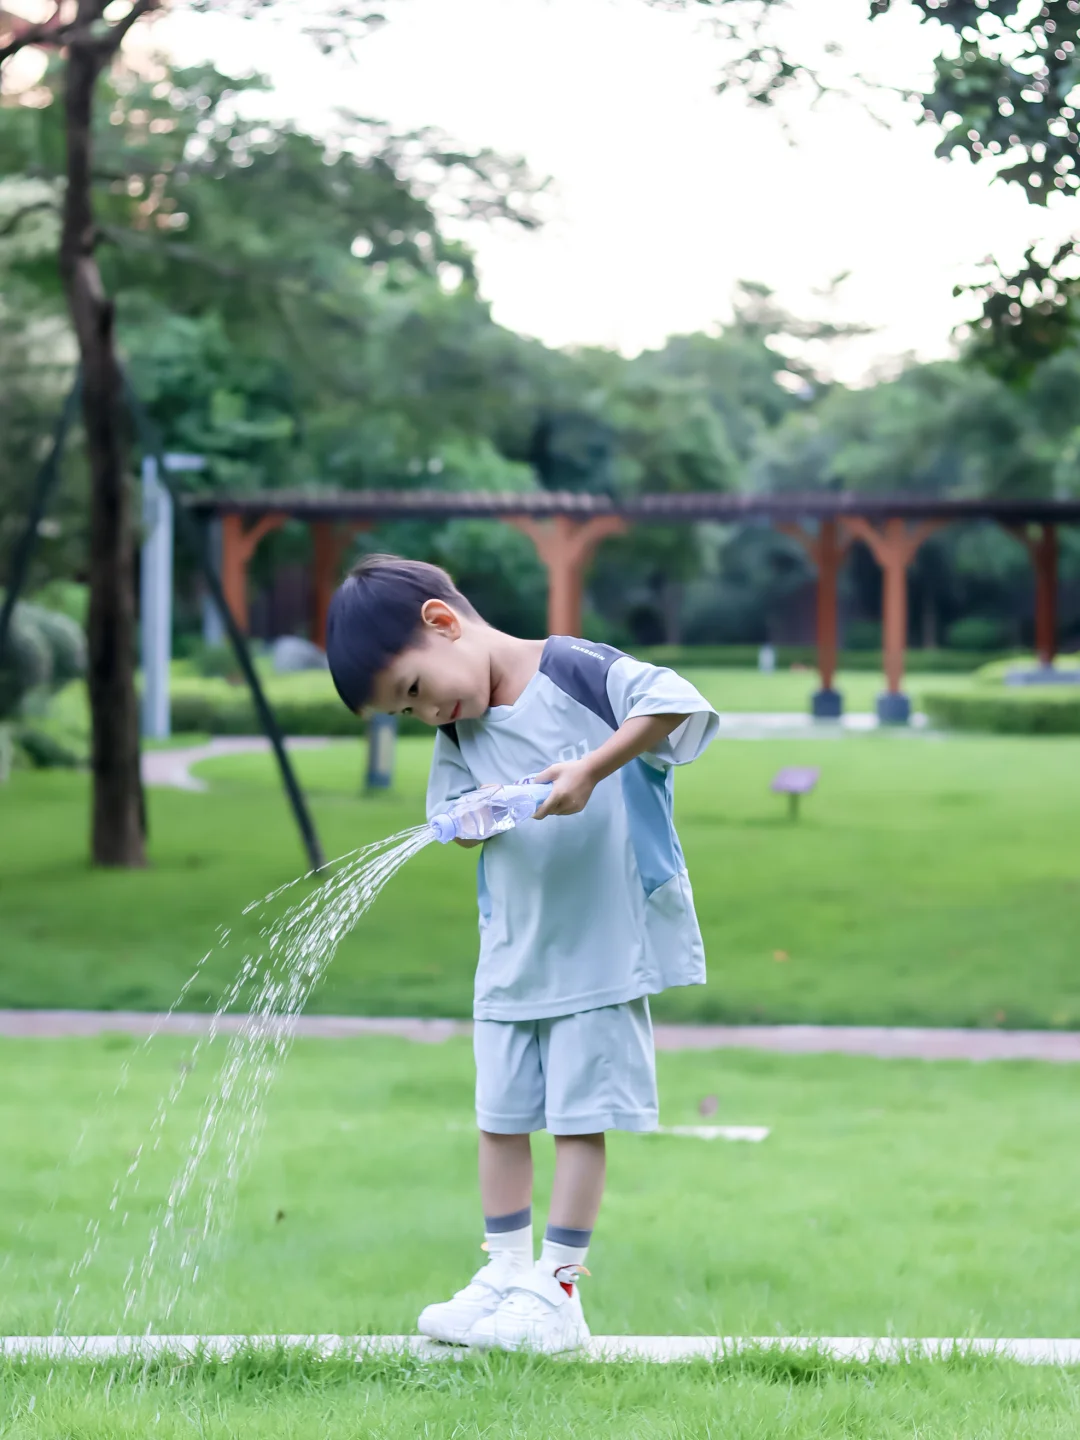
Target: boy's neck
[{"x": 513, "y": 663}]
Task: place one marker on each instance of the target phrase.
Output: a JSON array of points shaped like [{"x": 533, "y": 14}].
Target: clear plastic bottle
[{"x": 489, "y": 811}]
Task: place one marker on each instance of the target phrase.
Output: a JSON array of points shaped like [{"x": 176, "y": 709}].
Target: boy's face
[{"x": 445, "y": 676}]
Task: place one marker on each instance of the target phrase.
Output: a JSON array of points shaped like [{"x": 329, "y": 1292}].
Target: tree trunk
[
  {"x": 118, "y": 814},
  {"x": 671, "y": 597},
  {"x": 929, "y": 620}
]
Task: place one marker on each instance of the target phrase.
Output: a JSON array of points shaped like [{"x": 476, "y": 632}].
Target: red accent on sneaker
[{"x": 567, "y": 1287}]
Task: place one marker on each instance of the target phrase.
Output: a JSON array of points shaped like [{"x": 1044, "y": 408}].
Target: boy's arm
[{"x": 575, "y": 780}]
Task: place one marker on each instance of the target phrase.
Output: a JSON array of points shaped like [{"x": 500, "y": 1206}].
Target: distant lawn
[
  {"x": 930, "y": 881},
  {"x": 891, "y": 1197},
  {"x": 790, "y": 690}
]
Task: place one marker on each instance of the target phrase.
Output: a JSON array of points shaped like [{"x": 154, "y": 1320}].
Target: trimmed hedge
[
  {"x": 305, "y": 704},
  {"x": 745, "y": 657},
  {"x": 1034, "y": 711}
]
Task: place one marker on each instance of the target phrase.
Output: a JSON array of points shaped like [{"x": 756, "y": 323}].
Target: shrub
[
  {"x": 745, "y": 657},
  {"x": 997, "y": 671},
  {"x": 304, "y": 704},
  {"x": 46, "y": 752},
  {"x": 215, "y": 662},
  {"x": 43, "y": 648},
  {"x": 864, "y": 635},
  {"x": 65, "y": 639},
  {"x": 1033, "y": 711},
  {"x": 26, "y": 663},
  {"x": 65, "y": 597},
  {"x": 975, "y": 632}
]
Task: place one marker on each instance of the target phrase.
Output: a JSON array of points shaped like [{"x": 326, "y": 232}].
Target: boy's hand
[{"x": 574, "y": 782}]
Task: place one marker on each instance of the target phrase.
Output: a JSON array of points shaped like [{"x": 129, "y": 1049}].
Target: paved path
[
  {"x": 798, "y": 725},
  {"x": 173, "y": 767},
  {"x": 1057, "y": 1046}
]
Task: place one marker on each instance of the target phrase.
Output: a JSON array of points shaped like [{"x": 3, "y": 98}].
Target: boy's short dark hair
[{"x": 375, "y": 615}]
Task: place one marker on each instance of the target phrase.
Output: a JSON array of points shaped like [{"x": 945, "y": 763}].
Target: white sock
[
  {"x": 518, "y": 1244},
  {"x": 561, "y": 1260}
]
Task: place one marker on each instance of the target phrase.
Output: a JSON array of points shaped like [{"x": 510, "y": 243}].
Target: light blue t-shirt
[{"x": 579, "y": 911}]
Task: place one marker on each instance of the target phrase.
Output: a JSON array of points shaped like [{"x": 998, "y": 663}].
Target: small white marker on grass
[{"x": 754, "y": 1133}]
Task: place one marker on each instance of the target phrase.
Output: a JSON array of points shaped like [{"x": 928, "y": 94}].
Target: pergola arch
[{"x": 566, "y": 529}]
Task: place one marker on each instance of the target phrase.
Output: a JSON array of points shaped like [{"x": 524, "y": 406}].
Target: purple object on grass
[
  {"x": 796, "y": 779},
  {"x": 793, "y": 781}
]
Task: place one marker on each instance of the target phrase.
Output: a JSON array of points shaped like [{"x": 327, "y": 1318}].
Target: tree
[
  {"x": 89, "y": 38},
  {"x": 1007, "y": 94}
]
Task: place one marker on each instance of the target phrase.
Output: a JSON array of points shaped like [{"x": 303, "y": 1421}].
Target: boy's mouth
[{"x": 455, "y": 712}]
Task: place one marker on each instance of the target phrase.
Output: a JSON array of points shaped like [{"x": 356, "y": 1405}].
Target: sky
[{"x": 663, "y": 195}]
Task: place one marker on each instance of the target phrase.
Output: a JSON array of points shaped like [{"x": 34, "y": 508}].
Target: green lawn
[
  {"x": 890, "y": 1198},
  {"x": 509, "y": 1398},
  {"x": 790, "y": 690},
  {"x": 931, "y": 881}
]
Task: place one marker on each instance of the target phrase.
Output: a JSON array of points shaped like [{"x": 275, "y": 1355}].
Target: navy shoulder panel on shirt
[{"x": 580, "y": 668}]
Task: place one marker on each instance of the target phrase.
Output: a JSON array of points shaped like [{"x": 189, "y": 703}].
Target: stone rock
[{"x": 290, "y": 653}]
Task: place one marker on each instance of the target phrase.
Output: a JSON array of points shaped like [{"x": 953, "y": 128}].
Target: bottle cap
[{"x": 444, "y": 828}]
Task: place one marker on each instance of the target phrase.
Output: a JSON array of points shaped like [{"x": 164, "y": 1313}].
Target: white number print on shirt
[{"x": 573, "y": 752}]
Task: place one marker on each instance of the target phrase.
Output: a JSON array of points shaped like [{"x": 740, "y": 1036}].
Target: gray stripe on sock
[
  {"x": 563, "y": 1235},
  {"x": 502, "y": 1224}
]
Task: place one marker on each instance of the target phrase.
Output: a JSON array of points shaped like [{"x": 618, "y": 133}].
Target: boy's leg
[
  {"x": 580, "y": 1172},
  {"x": 509, "y": 1103},
  {"x": 506, "y": 1173},
  {"x": 506, "y": 1182}
]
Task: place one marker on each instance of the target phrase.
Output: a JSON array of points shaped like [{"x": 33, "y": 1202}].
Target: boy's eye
[{"x": 414, "y": 689}]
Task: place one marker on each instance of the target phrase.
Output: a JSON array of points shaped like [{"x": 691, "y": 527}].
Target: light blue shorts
[{"x": 573, "y": 1074}]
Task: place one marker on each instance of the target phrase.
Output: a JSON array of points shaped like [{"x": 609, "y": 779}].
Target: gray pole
[
  {"x": 156, "y": 591},
  {"x": 155, "y": 601}
]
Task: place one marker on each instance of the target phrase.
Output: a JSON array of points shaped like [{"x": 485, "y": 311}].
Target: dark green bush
[
  {"x": 26, "y": 662},
  {"x": 745, "y": 657},
  {"x": 210, "y": 712},
  {"x": 65, "y": 639},
  {"x": 46, "y": 752},
  {"x": 1006, "y": 712},
  {"x": 975, "y": 632}
]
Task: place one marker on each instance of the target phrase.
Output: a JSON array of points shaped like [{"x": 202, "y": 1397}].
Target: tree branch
[
  {"x": 13, "y": 222},
  {"x": 23, "y": 33},
  {"x": 115, "y": 37}
]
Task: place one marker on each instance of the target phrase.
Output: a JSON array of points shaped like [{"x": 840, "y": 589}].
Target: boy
[{"x": 581, "y": 918}]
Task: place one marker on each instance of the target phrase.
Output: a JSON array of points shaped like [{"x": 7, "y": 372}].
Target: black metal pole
[
  {"x": 148, "y": 438},
  {"x": 46, "y": 479}
]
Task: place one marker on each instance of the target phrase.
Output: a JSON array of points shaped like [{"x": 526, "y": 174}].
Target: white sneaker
[
  {"x": 536, "y": 1314},
  {"x": 452, "y": 1320}
]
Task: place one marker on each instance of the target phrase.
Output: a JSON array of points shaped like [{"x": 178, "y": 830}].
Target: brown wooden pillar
[
  {"x": 893, "y": 545},
  {"x": 238, "y": 544},
  {"x": 1041, "y": 543},
  {"x": 566, "y": 546},
  {"x": 826, "y": 550},
  {"x": 329, "y": 542}
]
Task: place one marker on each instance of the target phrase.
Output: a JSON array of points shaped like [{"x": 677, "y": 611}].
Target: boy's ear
[{"x": 438, "y": 616}]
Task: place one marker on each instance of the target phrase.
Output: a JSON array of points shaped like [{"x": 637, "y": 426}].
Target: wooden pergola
[{"x": 567, "y": 528}]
